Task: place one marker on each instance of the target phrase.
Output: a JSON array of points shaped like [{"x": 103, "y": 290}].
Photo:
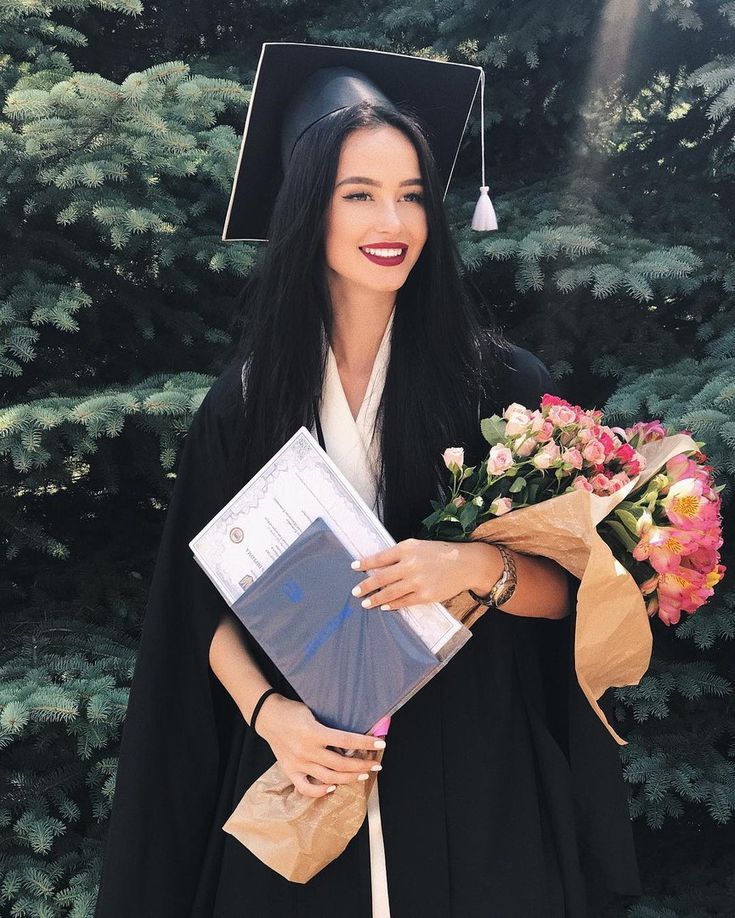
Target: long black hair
[{"x": 442, "y": 361}]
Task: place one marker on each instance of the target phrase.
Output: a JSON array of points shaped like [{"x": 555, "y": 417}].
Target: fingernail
[
  {"x": 355, "y": 565},
  {"x": 385, "y": 607},
  {"x": 356, "y": 591},
  {"x": 379, "y": 744},
  {"x": 332, "y": 788},
  {"x": 363, "y": 777},
  {"x": 366, "y": 603},
  {"x": 376, "y": 768}
]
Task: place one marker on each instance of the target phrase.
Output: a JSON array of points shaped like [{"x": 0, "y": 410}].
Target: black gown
[{"x": 501, "y": 793}]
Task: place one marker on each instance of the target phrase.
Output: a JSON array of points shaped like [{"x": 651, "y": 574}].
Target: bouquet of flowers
[{"x": 633, "y": 513}]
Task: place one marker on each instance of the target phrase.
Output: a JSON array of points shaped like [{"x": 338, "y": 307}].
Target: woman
[{"x": 501, "y": 793}]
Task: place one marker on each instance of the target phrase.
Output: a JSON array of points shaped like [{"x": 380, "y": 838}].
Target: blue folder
[{"x": 350, "y": 665}]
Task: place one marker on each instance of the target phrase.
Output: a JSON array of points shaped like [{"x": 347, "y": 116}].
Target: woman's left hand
[{"x": 417, "y": 571}]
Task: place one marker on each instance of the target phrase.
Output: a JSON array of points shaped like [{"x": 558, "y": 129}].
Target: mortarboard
[{"x": 305, "y": 82}]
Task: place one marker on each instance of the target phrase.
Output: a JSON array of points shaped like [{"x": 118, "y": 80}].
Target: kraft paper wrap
[
  {"x": 297, "y": 835},
  {"x": 613, "y": 639},
  {"x": 294, "y": 834}
]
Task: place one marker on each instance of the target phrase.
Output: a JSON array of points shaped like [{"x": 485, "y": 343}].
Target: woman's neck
[{"x": 358, "y": 326}]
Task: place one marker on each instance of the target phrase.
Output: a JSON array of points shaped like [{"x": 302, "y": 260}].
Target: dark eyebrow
[{"x": 362, "y": 180}]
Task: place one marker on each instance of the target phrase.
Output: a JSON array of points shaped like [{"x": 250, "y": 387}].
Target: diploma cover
[{"x": 350, "y": 665}]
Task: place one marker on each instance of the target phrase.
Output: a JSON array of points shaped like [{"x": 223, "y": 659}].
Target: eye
[{"x": 361, "y": 195}]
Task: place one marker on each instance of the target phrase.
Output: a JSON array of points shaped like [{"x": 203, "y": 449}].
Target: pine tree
[{"x": 114, "y": 285}]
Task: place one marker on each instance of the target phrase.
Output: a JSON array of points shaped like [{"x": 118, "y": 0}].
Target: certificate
[{"x": 297, "y": 485}]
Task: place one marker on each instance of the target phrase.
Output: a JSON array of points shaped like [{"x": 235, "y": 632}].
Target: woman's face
[{"x": 377, "y": 204}]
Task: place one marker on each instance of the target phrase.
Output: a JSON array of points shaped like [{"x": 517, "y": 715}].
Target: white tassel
[{"x": 484, "y": 218}]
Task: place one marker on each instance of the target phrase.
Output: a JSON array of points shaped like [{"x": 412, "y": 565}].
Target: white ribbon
[{"x": 378, "y": 872}]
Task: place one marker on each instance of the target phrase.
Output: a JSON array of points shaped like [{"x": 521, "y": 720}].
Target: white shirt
[{"x": 349, "y": 441}]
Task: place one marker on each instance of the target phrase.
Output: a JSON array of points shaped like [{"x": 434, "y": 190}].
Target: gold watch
[{"x": 504, "y": 586}]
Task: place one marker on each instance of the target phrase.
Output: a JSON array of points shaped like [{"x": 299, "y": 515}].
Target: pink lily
[{"x": 664, "y": 546}]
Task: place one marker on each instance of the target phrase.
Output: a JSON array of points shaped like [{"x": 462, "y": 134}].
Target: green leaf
[
  {"x": 532, "y": 491},
  {"x": 518, "y": 485},
  {"x": 433, "y": 518},
  {"x": 622, "y": 533},
  {"x": 468, "y": 514},
  {"x": 493, "y": 429},
  {"x": 628, "y": 520}
]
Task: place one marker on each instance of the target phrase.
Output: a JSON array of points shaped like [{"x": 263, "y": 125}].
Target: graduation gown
[{"x": 501, "y": 792}]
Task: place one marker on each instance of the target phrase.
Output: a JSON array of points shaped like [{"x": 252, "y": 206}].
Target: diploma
[{"x": 299, "y": 484}]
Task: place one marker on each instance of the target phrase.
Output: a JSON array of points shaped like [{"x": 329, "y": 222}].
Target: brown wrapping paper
[
  {"x": 297, "y": 835},
  {"x": 613, "y": 639},
  {"x": 294, "y": 834}
]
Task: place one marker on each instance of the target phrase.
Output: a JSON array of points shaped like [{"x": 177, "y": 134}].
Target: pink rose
[
  {"x": 594, "y": 452},
  {"x": 515, "y": 408},
  {"x": 501, "y": 505},
  {"x": 544, "y": 457},
  {"x": 617, "y": 482},
  {"x": 580, "y": 483},
  {"x": 599, "y": 482},
  {"x": 572, "y": 457},
  {"x": 526, "y": 445},
  {"x": 607, "y": 442},
  {"x": 499, "y": 460},
  {"x": 548, "y": 399},
  {"x": 561, "y": 415},
  {"x": 517, "y": 418},
  {"x": 537, "y": 422},
  {"x": 625, "y": 452},
  {"x": 453, "y": 455},
  {"x": 546, "y": 431},
  {"x": 459, "y": 501}
]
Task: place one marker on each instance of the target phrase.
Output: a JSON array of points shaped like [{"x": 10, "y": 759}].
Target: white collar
[{"x": 348, "y": 439}]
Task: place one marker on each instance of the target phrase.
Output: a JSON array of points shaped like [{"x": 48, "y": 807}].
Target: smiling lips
[{"x": 386, "y": 254}]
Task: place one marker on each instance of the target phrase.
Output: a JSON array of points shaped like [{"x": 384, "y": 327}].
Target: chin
[
  {"x": 390, "y": 283},
  {"x": 359, "y": 279}
]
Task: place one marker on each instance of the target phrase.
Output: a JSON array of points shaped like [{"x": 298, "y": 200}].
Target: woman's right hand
[{"x": 299, "y": 743}]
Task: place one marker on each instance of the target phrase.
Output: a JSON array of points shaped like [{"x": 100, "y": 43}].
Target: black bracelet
[{"x": 258, "y": 706}]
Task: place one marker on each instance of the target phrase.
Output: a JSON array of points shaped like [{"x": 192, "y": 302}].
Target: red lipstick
[{"x": 386, "y": 262}]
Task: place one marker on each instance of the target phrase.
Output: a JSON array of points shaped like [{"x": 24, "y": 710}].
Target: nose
[{"x": 389, "y": 220}]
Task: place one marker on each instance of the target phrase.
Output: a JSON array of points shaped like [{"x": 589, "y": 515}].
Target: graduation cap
[{"x": 297, "y": 84}]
